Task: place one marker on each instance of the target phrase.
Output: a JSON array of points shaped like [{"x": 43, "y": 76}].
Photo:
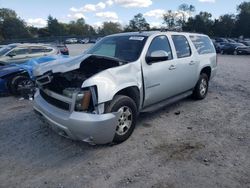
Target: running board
[{"x": 167, "y": 102}]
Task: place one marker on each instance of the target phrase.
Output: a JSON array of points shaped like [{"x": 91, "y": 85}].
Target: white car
[
  {"x": 20, "y": 53},
  {"x": 71, "y": 41}
]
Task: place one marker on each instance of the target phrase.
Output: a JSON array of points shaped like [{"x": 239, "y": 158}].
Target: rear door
[{"x": 186, "y": 63}]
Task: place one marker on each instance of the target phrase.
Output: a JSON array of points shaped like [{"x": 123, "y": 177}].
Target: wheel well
[
  {"x": 23, "y": 73},
  {"x": 133, "y": 93},
  {"x": 207, "y": 71}
]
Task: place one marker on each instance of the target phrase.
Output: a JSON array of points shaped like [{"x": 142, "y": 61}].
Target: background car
[
  {"x": 243, "y": 50},
  {"x": 247, "y": 43},
  {"x": 71, "y": 41},
  {"x": 84, "y": 41},
  {"x": 220, "y": 39},
  {"x": 18, "y": 78},
  {"x": 20, "y": 53},
  {"x": 233, "y": 48}
]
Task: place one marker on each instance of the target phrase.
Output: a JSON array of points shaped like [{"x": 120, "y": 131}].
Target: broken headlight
[{"x": 83, "y": 101}]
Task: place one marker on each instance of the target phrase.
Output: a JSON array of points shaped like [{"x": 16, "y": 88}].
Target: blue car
[{"x": 17, "y": 77}]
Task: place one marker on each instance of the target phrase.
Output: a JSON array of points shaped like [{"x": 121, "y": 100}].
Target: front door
[
  {"x": 159, "y": 77},
  {"x": 17, "y": 55}
]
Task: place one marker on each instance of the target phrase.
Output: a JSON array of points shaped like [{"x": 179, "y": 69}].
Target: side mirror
[
  {"x": 11, "y": 54},
  {"x": 157, "y": 56}
]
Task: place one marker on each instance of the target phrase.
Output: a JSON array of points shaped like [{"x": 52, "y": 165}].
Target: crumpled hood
[{"x": 59, "y": 65}]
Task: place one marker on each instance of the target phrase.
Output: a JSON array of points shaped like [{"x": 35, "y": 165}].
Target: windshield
[
  {"x": 6, "y": 49},
  {"x": 126, "y": 48}
]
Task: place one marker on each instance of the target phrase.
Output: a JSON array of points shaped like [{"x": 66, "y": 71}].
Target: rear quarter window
[{"x": 202, "y": 44}]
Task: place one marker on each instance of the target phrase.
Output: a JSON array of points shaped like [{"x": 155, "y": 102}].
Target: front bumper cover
[{"x": 91, "y": 128}]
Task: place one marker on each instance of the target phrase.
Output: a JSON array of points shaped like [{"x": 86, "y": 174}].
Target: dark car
[
  {"x": 219, "y": 40},
  {"x": 234, "y": 48},
  {"x": 247, "y": 43},
  {"x": 216, "y": 46},
  {"x": 231, "y": 40},
  {"x": 243, "y": 50}
]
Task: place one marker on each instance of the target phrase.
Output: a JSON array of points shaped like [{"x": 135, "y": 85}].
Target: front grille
[{"x": 55, "y": 102}]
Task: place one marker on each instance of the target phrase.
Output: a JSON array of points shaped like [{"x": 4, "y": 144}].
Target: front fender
[
  {"x": 111, "y": 81},
  {"x": 5, "y": 71}
]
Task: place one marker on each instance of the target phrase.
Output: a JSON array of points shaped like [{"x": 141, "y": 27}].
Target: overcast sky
[{"x": 35, "y": 12}]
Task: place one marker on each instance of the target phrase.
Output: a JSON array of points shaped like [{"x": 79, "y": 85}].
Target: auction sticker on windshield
[{"x": 136, "y": 38}]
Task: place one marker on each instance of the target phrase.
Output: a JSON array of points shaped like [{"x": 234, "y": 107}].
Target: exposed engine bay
[{"x": 94, "y": 64}]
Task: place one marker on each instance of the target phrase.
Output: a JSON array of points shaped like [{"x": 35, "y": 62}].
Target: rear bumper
[{"x": 92, "y": 128}]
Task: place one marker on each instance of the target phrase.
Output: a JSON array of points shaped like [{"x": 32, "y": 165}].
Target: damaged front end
[
  {"x": 69, "y": 84},
  {"x": 72, "y": 110}
]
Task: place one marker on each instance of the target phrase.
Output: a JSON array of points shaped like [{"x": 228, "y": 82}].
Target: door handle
[
  {"x": 191, "y": 62},
  {"x": 172, "y": 67}
]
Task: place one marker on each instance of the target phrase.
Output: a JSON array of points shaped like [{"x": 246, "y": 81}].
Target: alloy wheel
[{"x": 125, "y": 120}]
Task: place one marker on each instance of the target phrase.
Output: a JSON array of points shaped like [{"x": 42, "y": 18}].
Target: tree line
[{"x": 183, "y": 19}]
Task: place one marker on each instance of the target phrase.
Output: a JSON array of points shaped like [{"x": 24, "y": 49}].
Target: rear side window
[
  {"x": 182, "y": 46},
  {"x": 36, "y": 50},
  {"x": 203, "y": 44},
  {"x": 160, "y": 43}
]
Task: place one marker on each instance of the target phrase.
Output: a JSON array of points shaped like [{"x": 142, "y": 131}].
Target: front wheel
[
  {"x": 201, "y": 88},
  {"x": 19, "y": 83},
  {"x": 128, "y": 115}
]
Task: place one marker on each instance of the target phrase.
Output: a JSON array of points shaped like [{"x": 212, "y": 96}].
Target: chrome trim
[{"x": 43, "y": 77}]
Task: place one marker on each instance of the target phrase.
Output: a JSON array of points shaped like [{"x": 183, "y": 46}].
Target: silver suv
[{"x": 96, "y": 97}]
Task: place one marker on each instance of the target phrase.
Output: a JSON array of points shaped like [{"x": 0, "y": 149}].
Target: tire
[
  {"x": 201, "y": 88},
  {"x": 19, "y": 81},
  {"x": 235, "y": 52},
  {"x": 127, "y": 121}
]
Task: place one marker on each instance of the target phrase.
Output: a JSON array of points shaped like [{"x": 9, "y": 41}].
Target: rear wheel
[
  {"x": 201, "y": 88},
  {"x": 20, "y": 82},
  {"x": 128, "y": 115}
]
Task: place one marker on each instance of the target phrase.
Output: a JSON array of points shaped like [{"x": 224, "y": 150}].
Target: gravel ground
[{"x": 189, "y": 144}]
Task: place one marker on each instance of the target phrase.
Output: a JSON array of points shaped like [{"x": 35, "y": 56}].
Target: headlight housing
[{"x": 83, "y": 101}]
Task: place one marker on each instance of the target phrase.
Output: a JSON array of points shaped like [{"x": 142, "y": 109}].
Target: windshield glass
[
  {"x": 126, "y": 48},
  {"x": 5, "y": 49}
]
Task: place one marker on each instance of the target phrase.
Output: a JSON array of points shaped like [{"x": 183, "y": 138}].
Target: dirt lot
[{"x": 189, "y": 144}]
